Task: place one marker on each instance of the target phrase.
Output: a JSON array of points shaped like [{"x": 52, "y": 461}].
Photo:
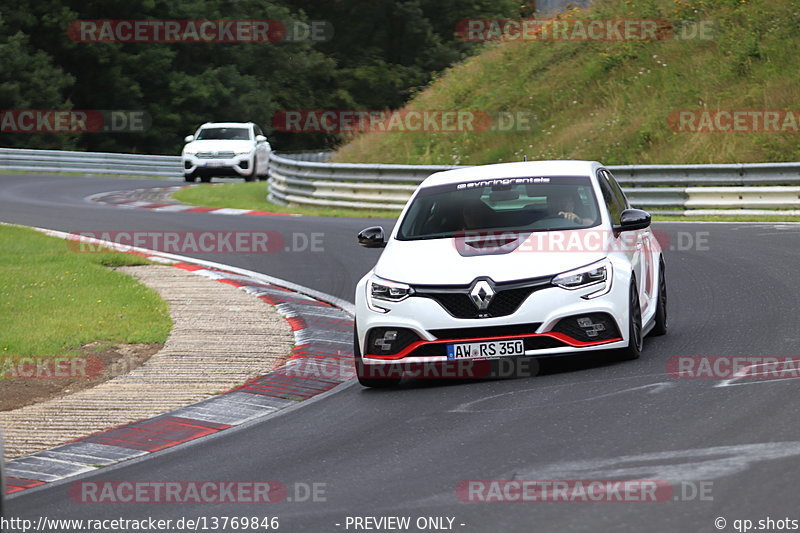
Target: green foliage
[
  {"x": 611, "y": 101},
  {"x": 253, "y": 196},
  {"x": 381, "y": 51}
]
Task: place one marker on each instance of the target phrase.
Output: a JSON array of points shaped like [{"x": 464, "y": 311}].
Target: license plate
[
  {"x": 214, "y": 164},
  {"x": 484, "y": 350}
]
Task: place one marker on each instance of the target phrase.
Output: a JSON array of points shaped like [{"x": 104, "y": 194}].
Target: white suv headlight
[
  {"x": 379, "y": 289},
  {"x": 244, "y": 153},
  {"x": 597, "y": 274}
]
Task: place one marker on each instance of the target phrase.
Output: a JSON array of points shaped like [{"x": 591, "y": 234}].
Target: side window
[
  {"x": 258, "y": 130},
  {"x": 618, "y": 194},
  {"x": 610, "y": 199}
]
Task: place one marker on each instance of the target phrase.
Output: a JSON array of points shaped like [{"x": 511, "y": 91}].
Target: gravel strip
[{"x": 221, "y": 337}]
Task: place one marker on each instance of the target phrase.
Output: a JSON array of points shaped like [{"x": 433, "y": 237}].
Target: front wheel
[
  {"x": 369, "y": 378},
  {"x": 635, "y": 337},
  {"x": 205, "y": 179},
  {"x": 252, "y": 176},
  {"x": 189, "y": 178},
  {"x": 265, "y": 175},
  {"x": 660, "y": 326}
]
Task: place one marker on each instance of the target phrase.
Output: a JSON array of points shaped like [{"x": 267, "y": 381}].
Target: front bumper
[
  {"x": 238, "y": 165},
  {"x": 546, "y": 321}
]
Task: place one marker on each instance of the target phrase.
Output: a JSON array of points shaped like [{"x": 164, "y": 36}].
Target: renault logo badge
[{"x": 482, "y": 294}]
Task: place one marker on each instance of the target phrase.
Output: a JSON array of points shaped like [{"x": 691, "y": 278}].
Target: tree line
[{"x": 370, "y": 54}]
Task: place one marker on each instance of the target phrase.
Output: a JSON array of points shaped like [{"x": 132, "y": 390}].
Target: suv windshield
[
  {"x": 516, "y": 204},
  {"x": 232, "y": 134}
]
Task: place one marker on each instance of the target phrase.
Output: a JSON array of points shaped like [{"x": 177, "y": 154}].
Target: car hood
[
  {"x": 214, "y": 145},
  {"x": 454, "y": 261}
]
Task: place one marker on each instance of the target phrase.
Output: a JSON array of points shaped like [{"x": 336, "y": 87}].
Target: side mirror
[
  {"x": 188, "y": 138},
  {"x": 260, "y": 139},
  {"x": 372, "y": 237},
  {"x": 633, "y": 219}
]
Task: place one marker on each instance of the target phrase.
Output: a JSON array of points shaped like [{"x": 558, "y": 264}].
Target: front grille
[
  {"x": 440, "y": 349},
  {"x": 507, "y": 299},
  {"x": 543, "y": 343},
  {"x": 215, "y": 155},
  {"x": 483, "y": 332},
  {"x": 590, "y": 327}
]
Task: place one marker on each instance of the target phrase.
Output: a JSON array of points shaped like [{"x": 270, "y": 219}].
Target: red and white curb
[
  {"x": 158, "y": 199},
  {"x": 321, "y": 360}
]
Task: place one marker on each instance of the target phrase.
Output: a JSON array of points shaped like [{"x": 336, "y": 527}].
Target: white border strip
[{"x": 346, "y": 306}]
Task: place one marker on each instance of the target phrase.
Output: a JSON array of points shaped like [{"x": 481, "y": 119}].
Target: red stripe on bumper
[{"x": 566, "y": 339}]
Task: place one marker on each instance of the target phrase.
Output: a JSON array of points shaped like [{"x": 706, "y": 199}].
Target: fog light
[
  {"x": 592, "y": 329},
  {"x": 385, "y": 343},
  {"x": 389, "y": 341}
]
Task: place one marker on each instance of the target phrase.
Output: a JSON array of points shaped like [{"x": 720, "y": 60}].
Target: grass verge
[
  {"x": 54, "y": 300},
  {"x": 615, "y": 101},
  {"x": 253, "y": 196}
]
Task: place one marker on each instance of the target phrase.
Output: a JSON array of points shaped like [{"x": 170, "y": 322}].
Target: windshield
[
  {"x": 518, "y": 204},
  {"x": 232, "y": 134}
]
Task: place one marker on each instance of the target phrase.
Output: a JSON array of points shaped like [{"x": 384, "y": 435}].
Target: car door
[{"x": 643, "y": 249}]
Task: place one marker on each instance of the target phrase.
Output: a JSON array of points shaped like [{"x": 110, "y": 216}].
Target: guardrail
[
  {"x": 650, "y": 187},
  {"x": 317, "y": 156},
  {"x": 305, "y": 178},
  {"x": 90, "y": 162}
]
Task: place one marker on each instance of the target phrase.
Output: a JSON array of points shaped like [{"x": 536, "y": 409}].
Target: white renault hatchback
[{"x": 506, "y": 261}]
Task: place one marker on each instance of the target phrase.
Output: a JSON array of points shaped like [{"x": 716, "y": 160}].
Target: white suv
[
  {"x": 226, "y": 149},
  {"x": 506, "y": 261}
]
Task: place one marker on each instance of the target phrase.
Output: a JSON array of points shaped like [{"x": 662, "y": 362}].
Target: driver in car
[{"x": 560, "y": 204}]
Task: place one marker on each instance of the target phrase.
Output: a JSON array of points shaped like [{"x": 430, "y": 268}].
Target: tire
[
  {"x": 635, "y": 337},
  {"x": 264, "y": 176},
  {"x": 205, "y": 179},
  {"x": 361, "y": 374},
  {"x": 190, "y": 178},
  {"x": 252, "y": 176},
  {"x": 660, "y": 326}
]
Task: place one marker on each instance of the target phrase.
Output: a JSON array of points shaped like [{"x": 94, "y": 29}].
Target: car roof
[
  {"x": 525, "y": 169},
  {"x": 227, "y": 124}
]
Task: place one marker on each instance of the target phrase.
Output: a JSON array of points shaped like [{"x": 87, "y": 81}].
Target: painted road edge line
[
  {"x": 132, "y": 199},
  {"x": 321, "y": 360}
]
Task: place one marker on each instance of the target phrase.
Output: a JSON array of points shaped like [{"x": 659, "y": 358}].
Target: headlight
[
  {"x": 190, "y": 152},
  {"x": 596, "y": 274},
  {"x": 248, "y": 152},
  {"x": 379, "y": 289}
]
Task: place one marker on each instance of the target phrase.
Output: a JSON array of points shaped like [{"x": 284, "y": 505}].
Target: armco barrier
[
  {"x": 169, "y": 166},
  {"x": 651, "y": 187},
  {"x": 90, "y": 162},
  {"x": 306, "y": 178}
]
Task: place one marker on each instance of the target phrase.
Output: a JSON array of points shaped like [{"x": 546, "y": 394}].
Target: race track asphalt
[{"x": 734, "y": 291}]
